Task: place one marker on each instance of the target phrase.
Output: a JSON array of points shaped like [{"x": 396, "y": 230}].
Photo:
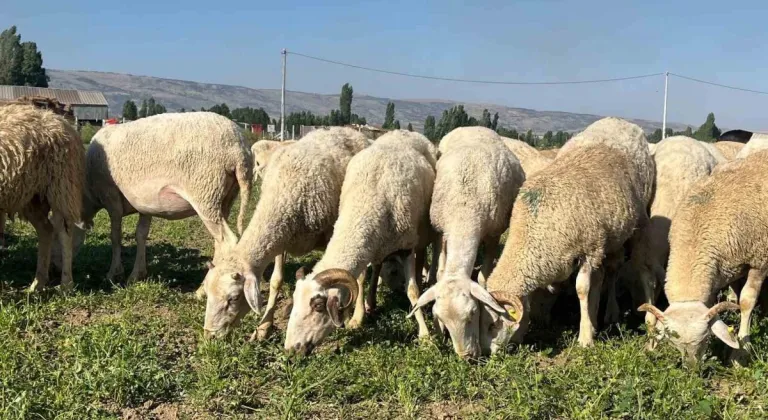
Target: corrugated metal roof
[{"x": 65, "y": 96}]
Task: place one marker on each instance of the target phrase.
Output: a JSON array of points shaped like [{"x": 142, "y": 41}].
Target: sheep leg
[
  {"x": 612, "y": 312},
  {"x": 116, "y": 234},
  {"x": 491, "y": 249},
  {"x": 588, "y": 287},
  {"x": 275, "y": 284},
  {"x": 436, "y": 251},
  {"x": 139, "y": 271},
  {"x": 64, "y": 236},
  {"x": 359, "y": 314},
  {"x": 748, "y": 300},
  {"x": 649, "y": 293},
  {"x": 413, "y": 295},
  {"x": 39, "y": 220},
  {"x": 370, "y": 300}
]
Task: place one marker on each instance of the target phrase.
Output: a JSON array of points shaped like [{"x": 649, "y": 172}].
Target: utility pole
[
  {"x": 282, "y": 100},
  {"x": 664, "y": 118}
]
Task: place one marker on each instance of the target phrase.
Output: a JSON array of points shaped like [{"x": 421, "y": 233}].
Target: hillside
[{"x": 176, "y": 94}]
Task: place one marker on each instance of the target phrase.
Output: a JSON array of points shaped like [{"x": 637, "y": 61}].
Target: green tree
[
  {"x": 182, "y": 110},
  {"x": 32, "y": 66},
  {"x": 453, "y": 118},
  {"x": 221, "y": 109},
  {"x": 529, "y": 138},
  {"x": 485, "y": 120},
  {"x": 429, "y": 128},
  {"x": 495, "y": 122},
  {"x": 87, "y": 132},
  {"x": 143, "y": 109},
  {"x": 389, "y": 117},
  {"x": 669, "y": 132},
  {"x": 688, "y": 131},
  {"x": 10, "y": 57},
  {"x": 151, "y": 106},
  {"x": 130, "y": 111},
  {"x": 396, "y": 126},
  {"x": 345, "y": 104},
  {"x": 410, "y": 127},
  {"x": 509, "y": 133},
  {"x": 708, "y": 131},
  {"x": 655, "y": 137},
  {"x": 546, "y": 141}
]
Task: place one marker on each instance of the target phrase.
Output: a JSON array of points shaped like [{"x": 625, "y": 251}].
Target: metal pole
[
  {"x": 282, "y": 100},
  {"x": 664, "y": 119},
  {"x": 293, "y": 132}
]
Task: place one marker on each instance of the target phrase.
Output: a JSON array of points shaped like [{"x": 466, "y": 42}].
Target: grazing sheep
[
  {"x": 384, "y": 209},
  {"x": 299, "y": 203},
  {"x": 715, "y": 152},
  {"x": 757, "y": 142},
  {"x": 729, "y": 149},
  {"x": 720, "y": 235},
  {"x": 477, "y": 180},
  {"x": 263, "y": 150},
  {"x": 42, "y": 162},
  {"x": 531, "y": 160},
  {"x": 652, "y": 148},
  {"x": 171, "y": 166},
  {"x": 681, "y": 162},
  {"x": 575, "y": 215}
]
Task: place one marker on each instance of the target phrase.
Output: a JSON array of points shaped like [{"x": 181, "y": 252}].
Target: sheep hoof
[
  {"x": 67, "y": 285},
  {"x": 262, "y": 333},
  {"x": 425, "y": 338},
  {"x": 586, "y": 342},
  {"x": 200, "y": 294},
  {"x": 651, "y": 345},
  {"x": 354, "y": 324},
  {"x": 37, "y": 285}
]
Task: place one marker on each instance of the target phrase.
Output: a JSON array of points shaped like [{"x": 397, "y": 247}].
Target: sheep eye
[{"x": 318, "y": 303}]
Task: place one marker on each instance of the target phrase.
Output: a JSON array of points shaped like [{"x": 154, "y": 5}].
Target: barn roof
[{"x": 64, "y": 96}]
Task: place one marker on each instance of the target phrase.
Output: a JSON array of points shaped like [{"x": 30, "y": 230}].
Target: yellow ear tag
[
  {"x": 730, "y": 328},
  {"x": 512, "y": 313}
]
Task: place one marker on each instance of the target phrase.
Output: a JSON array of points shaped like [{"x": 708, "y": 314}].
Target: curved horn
[
  {"x": 335, "y": 277},
  {"x": 508, "y": 299},
  {"x": 647, "y": 307},
  {"x": 722, "y": 307}
]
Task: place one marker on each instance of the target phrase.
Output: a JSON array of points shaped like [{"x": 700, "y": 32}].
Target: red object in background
[
  {"x": 257, "y": 128},
  {"x": 110, "y": 121}
]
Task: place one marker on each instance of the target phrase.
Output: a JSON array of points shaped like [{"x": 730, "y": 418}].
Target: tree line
[
  {"x": 708, "y": 131},
  {"x": 21, "y": 64}
]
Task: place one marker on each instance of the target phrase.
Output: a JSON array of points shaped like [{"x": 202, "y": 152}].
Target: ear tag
[{"x": 512, "y": 313}]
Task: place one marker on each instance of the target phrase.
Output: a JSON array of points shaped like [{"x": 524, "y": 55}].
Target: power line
[
  {"x": 718, "y": 84},
  {"x": 491, "y": 82}
]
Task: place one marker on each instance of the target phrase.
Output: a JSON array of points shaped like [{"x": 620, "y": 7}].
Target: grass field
[{"x": 109, "y": 351}]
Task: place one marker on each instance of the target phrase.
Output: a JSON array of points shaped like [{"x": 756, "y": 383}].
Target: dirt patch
[
  {"x": 166, "y": 412},
  {"x": 450, "y": 410},
  {"x": 153, "y": 410},
  {"x": 78, "y": 317}
]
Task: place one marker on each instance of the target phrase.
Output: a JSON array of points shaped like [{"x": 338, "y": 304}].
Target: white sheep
[
  {"x": 714, "y": 151},
  {"x": 263, "y": 150},
  {"x": 384, "y": 209},
  {"x": 298, "y": 206},
  {"x": 43, "y": 169},
  {"x": 171, "y": 166},
  {"x": 574, "y": 215},
  {"x": 757, "y": 142},
  {"x": 477, "y": 180},
  {"x": 729, "y": 149},
  {"x": 681, "y": 162},
  {"x": 531, "y": 160},
  {"x": 719, "y": 236}
]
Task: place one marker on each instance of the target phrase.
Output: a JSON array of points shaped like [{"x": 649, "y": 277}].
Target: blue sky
[{"x": 239, "y": 42}]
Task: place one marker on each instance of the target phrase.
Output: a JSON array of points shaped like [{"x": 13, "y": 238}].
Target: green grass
[{"x": 107, "y": 351}]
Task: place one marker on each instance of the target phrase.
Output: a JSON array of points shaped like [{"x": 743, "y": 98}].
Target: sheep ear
[
  {"x": 479, "y": 293},
  {"x": 209, "y": 265},
  {"x": 721, "y": 331},
  {"x": 301, "y": 273},
  {"x": 251, "y": 291},
  {"x": 425, "y": 299}
]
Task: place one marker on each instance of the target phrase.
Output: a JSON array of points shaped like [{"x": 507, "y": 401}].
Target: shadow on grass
[{"x": 179, "y": 267}]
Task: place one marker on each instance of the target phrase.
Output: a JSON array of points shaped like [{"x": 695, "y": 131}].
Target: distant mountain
[{"x": 176, "y": 94}]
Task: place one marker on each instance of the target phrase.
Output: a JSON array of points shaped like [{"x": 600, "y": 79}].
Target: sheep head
[
  {"x": 230, "y": 293},
  {"x": 318, "y": 303},
  {"x": 459, "y": 302},
  {"x": 689, "y": 324},
  {"x": 499, "y": 328}
]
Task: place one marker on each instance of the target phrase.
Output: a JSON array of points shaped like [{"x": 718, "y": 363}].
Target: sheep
[
  {"x": 263, "y": 150},
  {"x": 549, "y": 153},
  {"x": 477, "y": 180},
  {"x": 737, "y": 136},
  {"x": 530, "y": 159},
  {"x": 171, "y": 166},
  {"x": 298, "y": 206},
  {"x": 681, "y": 162},
  {"x": 43, "y": 169},
  {"x": 384, "y": 209},
  {"x": 715, "y": 152},
  {"x": 719, "y": 236},
  {"x": 652, "y": 148},
  {"x": 729, "y": 149},
  {"x": 757, "y": 142},
  {"x": 576, "y": 214}
]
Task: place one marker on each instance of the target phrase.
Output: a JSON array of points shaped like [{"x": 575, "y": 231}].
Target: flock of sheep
[{"x": 681, "y": 216}]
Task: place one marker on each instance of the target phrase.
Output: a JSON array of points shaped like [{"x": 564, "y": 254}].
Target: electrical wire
[{"x": 718, "y": 84}]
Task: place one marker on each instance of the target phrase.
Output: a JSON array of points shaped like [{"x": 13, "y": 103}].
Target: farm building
[{"x": 83, "y": 106}]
